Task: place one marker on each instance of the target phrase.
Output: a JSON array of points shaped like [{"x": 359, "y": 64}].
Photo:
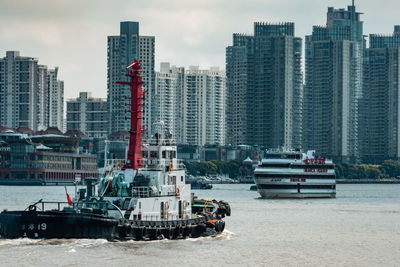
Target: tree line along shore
[{"x": 389, "y": 170}]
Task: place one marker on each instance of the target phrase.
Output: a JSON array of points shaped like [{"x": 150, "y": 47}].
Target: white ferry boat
[{"x": 294, "y": 174}]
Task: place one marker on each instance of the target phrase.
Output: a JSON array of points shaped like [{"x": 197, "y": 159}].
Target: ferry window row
[
  {"x": 307, "y": 176},
  {"x": 296, "y": 186},
  {"x": 288, "y": 165},
  {"x": 283, "y": 156}
]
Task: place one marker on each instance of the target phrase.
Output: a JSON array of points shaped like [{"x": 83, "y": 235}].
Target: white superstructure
[
  {"x": 293, "y": 174},
  {"x": 155, "y": 192}
]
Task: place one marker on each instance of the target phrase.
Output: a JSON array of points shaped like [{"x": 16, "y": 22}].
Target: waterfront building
[
  {"x": 264, "y": 87},
  {"x": 121, "y": 51},
  {"x": 333, "y": 86},
  {"x": 204, "y": 106},
  {"x": 48, "y": 158},
  {"x": 168, "y": 101},
  {"x": 88, "y": 114},
  {"x": 381, "y": 106}
]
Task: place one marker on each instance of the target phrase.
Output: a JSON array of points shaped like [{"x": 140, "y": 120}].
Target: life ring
[{"x": 177, "y": 191}]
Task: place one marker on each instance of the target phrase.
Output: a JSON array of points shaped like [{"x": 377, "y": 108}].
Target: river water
[{"x": 361, "y": 227}]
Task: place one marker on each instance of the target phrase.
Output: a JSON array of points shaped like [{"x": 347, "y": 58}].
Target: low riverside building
[{"x": 46, "y": 158}]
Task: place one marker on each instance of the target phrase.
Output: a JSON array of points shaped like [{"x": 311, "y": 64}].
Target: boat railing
[
  {"x": 63, "y": 206},
  {"x": 145, "y": 192},
  {"x": 114, "y": 164},
  {"x": 159, "y": 142},
  {"x": 49, "y": 205},
  {"x": 163, "y": 164}
]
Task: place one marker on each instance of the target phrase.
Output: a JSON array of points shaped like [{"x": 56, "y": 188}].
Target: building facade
[
  {"x": 381, "y": 98},
  {"x": 122, "y": 50},
  {"x": 30, "y": 94},
  {"x": 333, "y": 83},
  {"x": 42, "y": 98},
  {"x": 19, "y": 87},
  {"x": 43, "y": 159},
  {"x": 168, "y": 101},
  {"x": 264, "y": 87},
  {"x": 88, "y": 115},
  {"x": 204, "y": 106},
  {"x": 191, "y": 103},
  {"x": 55, "y": 100}
]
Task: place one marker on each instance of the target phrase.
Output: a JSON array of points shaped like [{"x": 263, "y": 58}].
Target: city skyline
[{"x": 61, "y": 34}]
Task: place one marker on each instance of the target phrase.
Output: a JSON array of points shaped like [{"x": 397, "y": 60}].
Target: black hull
[{"x": 56, "y": 224}]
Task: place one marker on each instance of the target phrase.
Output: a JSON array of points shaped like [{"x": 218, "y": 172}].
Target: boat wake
[
  {"x": 85, "y": 243},
  {"x": 51, "y": 242}
]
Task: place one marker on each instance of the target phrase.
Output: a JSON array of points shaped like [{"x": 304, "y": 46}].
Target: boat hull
[
  {"x": 274, "y": 194},
  {"x": 58, "y": 224},
  {"x": 294, "y": 194},
  {"x": 48, "y": 224}
]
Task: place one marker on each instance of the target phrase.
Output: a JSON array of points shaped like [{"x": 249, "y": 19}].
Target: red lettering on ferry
[{"x": 298, "y": 179}]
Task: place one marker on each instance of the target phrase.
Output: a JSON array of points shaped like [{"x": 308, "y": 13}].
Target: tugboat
[{"x": 143, "y": 198}]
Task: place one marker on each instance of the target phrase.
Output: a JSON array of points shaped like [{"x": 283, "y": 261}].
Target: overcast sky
[{"x": 72, "y": 34}]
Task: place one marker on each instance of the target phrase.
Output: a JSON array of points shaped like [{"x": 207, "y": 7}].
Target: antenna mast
[{"x": 135, "y": 160}]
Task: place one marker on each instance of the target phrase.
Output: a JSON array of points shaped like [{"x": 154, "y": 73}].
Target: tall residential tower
[
  {"x": 264, "y": 87},
  {"x": 122, "y": 50},
  {"x": 381, "y": 98},
  {"x": 30, "y": 94},
  {"x": 333, "y": 85}
]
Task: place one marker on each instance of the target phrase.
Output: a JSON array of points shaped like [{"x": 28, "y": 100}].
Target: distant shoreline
[{"x": 367, "y": 181}]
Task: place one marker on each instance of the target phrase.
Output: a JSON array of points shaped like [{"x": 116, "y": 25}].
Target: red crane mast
[{"x": 135, "y": 160}]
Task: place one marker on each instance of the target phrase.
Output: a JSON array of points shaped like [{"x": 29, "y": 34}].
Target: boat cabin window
[
  {"x": 153, "y": 154},
  {"x": 274, "y": 156},
  {"x": 163, "y": 154},
  {"x": 293, "y": 156},
  {"x": 125, "y": 205},
  {"x": 145, "y": 154},
  {"x": 181, "y": 178}
]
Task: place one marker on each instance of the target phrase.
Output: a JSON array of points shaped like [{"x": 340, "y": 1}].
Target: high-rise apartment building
[
  {"x": 333, "y": 85},
  {"x": 168, "y": 100},
  {"x": 30, "y": 94},
  {"x": 88, "y": 114},
  {"x": 216, "y": 107},
  {"x": 146, "y": 56},
  {"x": 18, "y": 91},
  {"x": 42, "y": 98},
  {"x": 264, "y": 87},
  {"x": 381, "y": 102},
  {"x": 203, "y": 106},
  {"x": 191, "y": 104},
  {"x": 55, "y": 106},
  {"x": 122, "y": 50}
]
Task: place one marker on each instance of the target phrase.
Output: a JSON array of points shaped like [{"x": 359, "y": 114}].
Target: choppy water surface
[{"x": 361, "y": 227}]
